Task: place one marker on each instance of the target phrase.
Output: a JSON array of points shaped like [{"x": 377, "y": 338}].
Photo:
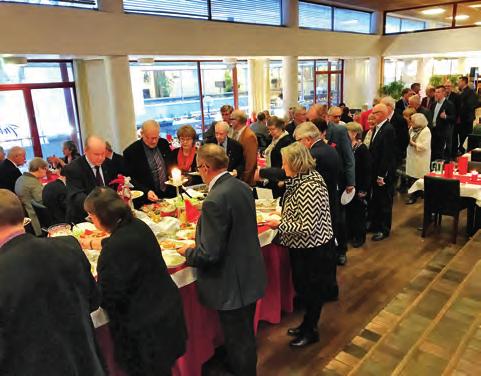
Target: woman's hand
[
  {"x": 151, "y": 196},
  {"x": 412, "y": 143},
  {"x": 273, "y": 224}
]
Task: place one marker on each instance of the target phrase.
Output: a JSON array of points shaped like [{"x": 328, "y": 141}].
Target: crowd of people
[{"x": 335, "y": 175}]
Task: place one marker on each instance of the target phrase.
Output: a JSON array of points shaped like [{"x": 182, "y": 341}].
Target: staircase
[{"x": 433, "y": 327}]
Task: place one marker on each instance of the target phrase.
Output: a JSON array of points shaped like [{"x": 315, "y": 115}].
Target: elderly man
[
  {"x": 248, "y": 140},
  {"x": 45, "y": 326},
  {"x": 84, "y": 174},
  {"x": 146, "y": 162},
  {"x": 299, "y": 114},
  {"x": 468, "y": 101},
  {"x": 232, "y": 148},
  {"x": 415, "y": 103},
  {"x": 383, "y": 152},
  {"x": 231, "y": 274},
  {"x": 225, "y": 112},
  {"x": 454, "y": 99},
  {"x": 400, "y": 126},
  {"x": 2, "y": 154},
  {"x": 9, "y": 168},
  {"x": 443, "y": 122}
]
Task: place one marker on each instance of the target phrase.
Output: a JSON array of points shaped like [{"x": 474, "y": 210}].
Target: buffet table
[{"x": 204, "y": 333}]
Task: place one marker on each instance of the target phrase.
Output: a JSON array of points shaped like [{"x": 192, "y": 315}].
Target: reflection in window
[
  {"x": 352, "y": 20},
  {"x": 266, "y": 12},
  {"x": 315, "y": 16},
  {"x": 425, "y": 18},
  {"x": 306, "y": 82},
  {"x": 275, "y": 79},
  {"x": 35, "y": 72}
]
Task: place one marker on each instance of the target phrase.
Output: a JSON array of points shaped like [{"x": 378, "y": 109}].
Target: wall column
[
  {"x": 259, "y": 85},
  {"x": 289, "y": 82}
]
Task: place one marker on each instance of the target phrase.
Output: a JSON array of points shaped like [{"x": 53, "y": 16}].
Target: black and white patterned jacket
[{"x": 306, "y": 219}]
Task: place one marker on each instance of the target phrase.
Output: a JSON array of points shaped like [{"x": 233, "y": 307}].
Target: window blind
[
  {"x": 265, "y": 12},
  {"x": 315, "y": 16},
  {"x": 90, "y": 4},
  {"x": 177, "y": 8}
]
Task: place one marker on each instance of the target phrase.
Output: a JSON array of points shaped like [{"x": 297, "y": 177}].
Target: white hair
[
  {"x": 419, "y": 120},
  {"x": 222, "y": 125},
  {"x": 389, "y": 101},
  {"x": 307, "y": 129}
]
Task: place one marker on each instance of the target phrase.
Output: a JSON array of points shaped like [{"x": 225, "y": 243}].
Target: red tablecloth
[
  {"x": 203, "y": 325},
  {"x": 462, "y": 178}
]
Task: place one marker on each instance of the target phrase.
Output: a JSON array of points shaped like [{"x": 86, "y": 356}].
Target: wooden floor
[{"x": 373, "y": 276}]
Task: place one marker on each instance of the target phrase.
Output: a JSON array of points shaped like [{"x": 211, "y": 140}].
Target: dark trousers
[
  {"x": 438, "y": 143},
  {"x": 464, "y": 128},
  {"x": 381, "y": 207},
  {"x": 340, "y": 227},
  {"x": 312, "y": 270},
  {"x": 239, "y": 339},
  {"x": 356, "y": 212},
  {"x": 448, "y": 152}
]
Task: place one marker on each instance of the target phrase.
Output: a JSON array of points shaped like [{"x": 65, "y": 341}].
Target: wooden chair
[
  {"x": 474, "y": 141},
  {"x": 472, "y": 165},
  {"x": 476, "y": 155},
  {"x": 442, "y": 197}
]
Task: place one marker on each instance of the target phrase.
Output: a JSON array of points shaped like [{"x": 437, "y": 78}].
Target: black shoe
[
  {"x": 295, "y": 332},
  {"x": 341, "y": 259},
  {"x": 420, "y": 228},
  {"x": 379, "y": 236},
  {"x": 305, "y": 339},
  {"x": 411, "y": 200},
  {"x": 356, "y": 243}
]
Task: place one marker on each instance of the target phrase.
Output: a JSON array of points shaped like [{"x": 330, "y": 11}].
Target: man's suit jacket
[
  {"x": 337, "y": 134},
  {"x": 400, "y": 106},
  {"x": 45, "y": 326},
  {"x": 118, "y": 163},
  {"x": 248, "y": 140},
  {"x": 383, "y": 153},
  {"x": 468, "y": 101},
  {"x": 137, "y": 167},
  {"x": 230, "y": 266},
  {"x": 54, "y": 197},
  {"x": 442, "y": 125},
  {"x": 427, "y": 114},
  {"x": 454, "y": 99},
  {"x": 235, "y": 153},
  {"x": 9, "y": 173},
  {"x": 80, "y": 182},
  {"x": 402, "y": 134},
  {"x": 427, "y": 104},
  {"x": 276, "y": 157}
]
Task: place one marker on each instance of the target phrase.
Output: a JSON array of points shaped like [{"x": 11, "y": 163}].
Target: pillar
[{"x": 290, "y": 89}]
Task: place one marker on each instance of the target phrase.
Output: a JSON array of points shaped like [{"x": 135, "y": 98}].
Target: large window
[
  {"x": 265, "y": 12},
  {"x": 320, "y": 81},
  {"x": 87, "y": 4},
  {"x": 275, "y": 79},
  {"x": 171, "y": 92},
  {"x": 444, "y": 16},
  {"x": 37, "y": 107},
  {"x": 318, "y": 16}
]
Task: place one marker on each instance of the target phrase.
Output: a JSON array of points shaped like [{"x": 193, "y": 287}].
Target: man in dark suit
[
  {"x": 400, "y": 127},
  {"x": 468, "y": 101},
  {"x": 428, "y": 100},
  {"x": 403, "y": 102},
  {"x": 84, "y": 174},
  {"x": 54, "y": 197},
  {"x": 232, "y": 148},
  {"x": 225, "y": 111},
  {"x": 146, "y": 162},
  {"x": 45, "y": 326},
  {"x": 443, "y": 122},
  {"x": 117, "y": 160},
  {"x": 383, "y": 153},
  {"x": 9, "y": 172},
  {"x": 230, "y": 266},
  {"x": 299, "y": 116},
  {"x": 452, "y": 136}
]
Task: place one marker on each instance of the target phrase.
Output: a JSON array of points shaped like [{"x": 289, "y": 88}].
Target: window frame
[
  {"x": 26, "y": 89},
  {"x": 26, "y": 2}
]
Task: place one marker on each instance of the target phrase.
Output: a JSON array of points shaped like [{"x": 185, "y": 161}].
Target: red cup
[
  {"x": 448, "y": 170},
  {"x": 474, "y": 176},
  {"x": 463, "y": 165}
]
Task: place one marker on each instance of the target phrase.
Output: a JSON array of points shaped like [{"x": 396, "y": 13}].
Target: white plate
[
  {"x": 346, "y": 198},
  {"x": 173, "y": 260},
  {"x": 136, "y": 194},
  {"x": 86, "y": 226},
  {"x": 188, "y": 234}
]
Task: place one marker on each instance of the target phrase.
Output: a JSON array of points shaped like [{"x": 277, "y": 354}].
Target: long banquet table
[{"x": 202, "y": 323}]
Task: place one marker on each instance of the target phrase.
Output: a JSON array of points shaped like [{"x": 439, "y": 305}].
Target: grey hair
[
  {"x": 298, "y": 157},
  {"x": 15, "y": 151},
  {"x": 419, "y": 120},
  {"x": 224, "y": 125},
  {"x": 298, "y": 108},
  {"x": 414, "y": 99},
  {"x": 389, "y": 101},
  {"x": 239, "y": 115},
  {"x": 36, "y": 164},
  {"x": 354, "y": 127},
  {"x": 334, "y": 109},
  {"x": 307, "y": 129},
  {"x": 150, "y": 123}
]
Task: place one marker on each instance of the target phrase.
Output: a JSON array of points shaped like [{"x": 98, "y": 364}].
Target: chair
[
  {"x": 43, "y": 215},
  {"x": 474, "y": 141},
  {"x": 442, "y": 197},
  {"x": 474, "y": 166},
  {"x": 476, "y": 155}
]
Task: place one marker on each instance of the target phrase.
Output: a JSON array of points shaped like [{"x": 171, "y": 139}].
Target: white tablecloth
[{"x": 466, "y": 190}]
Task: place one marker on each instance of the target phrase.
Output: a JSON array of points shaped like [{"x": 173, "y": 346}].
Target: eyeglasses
[
  {"x": 376, "y": 112},
  {"x": 201, "y": 166},
  {"x": 185, "y": 139}
]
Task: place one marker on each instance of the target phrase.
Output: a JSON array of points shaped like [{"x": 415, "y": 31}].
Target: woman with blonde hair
[
  {"x": 305, "y": 228},
  {"x": 418, "y": 158}
]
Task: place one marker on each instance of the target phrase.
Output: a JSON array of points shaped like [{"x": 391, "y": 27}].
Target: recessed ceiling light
[
  {"x": 433, "y": 11},
  {"x": 459, "y": 17},
  {"x": 478, "y": 23},
  {"x": 475, "y": 6}
]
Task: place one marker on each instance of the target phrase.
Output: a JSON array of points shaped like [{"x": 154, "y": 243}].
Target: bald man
[
  {"x": 146, "y": 162},
  {"x": 383, "y": 153},
  {"x": 9, "y": 168},
  {"x": 84, "y": 174}
]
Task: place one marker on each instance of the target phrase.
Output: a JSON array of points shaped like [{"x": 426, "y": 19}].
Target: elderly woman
[
  {"x": 143, "y": 303},
  {"x": 356, "y": 210},
  {"x": 28, "y": 188},
  {"x": 407, "y": 115},
  {"x": 371, "y": 122},
  {"x": 418, "y": 157},
  {"x": 183, "y": 157},
  {"x": 306, "y": 229},
  {"x": 70, "y": 152}
]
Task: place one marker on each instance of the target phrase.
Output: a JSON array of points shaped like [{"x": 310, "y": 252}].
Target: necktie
[
  {"x": 160, "y": 167},
  {"x": 372, "y": 136},
  {"x": 98, "y": 177}
]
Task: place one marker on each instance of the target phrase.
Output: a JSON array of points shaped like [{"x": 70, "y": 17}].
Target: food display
[
  {"x": 160, "y": 209},
  {"x": 136, "y": 194},
  {"x": 63, "y": 229},
  {"x": 93, "y": 257},
  {"x": 265, "y": 217},
  {"x": 173, "y": 259},
  {"x": 171, "y": 244},
  {"x": 185, "y": 234},
  {"x": 266, "y": 204}
]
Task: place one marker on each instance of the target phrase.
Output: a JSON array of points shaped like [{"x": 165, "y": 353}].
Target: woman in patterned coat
[{"x": 306, "y": 229}]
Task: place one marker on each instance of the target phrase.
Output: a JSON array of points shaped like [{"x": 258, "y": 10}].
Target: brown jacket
[{"x": 248, "y": 140}]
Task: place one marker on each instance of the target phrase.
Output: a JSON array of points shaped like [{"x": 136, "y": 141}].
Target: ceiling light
[
  {"x": 459, "y": 17},
  {"x": 433, "y": 11},
  {"x": 475, "y": 6},
  {"x": 478, "y": 23}
]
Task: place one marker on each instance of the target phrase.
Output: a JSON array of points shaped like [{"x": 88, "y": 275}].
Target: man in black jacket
[
  {"x": 451, "y": 140},
  {"x": 146, "y": 162},
  {"x": 443, "y": 122},
  {"x": 84, "y": 174},
  {"x": 9, "y": 172},
  {"x": 45, "y": 326},
  {"x": 468, "y": 101},
  {"x": 232, "y": 148},
  {"x": 383, "y": 152},
  {"x": 230, "y": 266},
  {"x": 117, "y": 160},
  {"x": 54, "y": 197}
]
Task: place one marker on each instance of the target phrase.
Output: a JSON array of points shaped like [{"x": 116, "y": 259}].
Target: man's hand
[
  {"x": 273, "y": 224},
  {"x": 257, "y": 174},
  {"x": 183, "y": 249},
  {"x": 442, "y": 115},
  {"x": 234, "y": 173},
  {"x": 151, "y": 196},
  {"x": 349, "y": 188}
]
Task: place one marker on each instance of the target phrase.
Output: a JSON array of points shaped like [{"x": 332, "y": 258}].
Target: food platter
[
  {"x": 136, "y": 194},
  {"x": 172, "y": 244},
  {"x": 266, "y": 204},
  {"x": 185, "y": 234},
  {"x": 173, "y": 259},
  {"x": 262, "y": 218}
]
